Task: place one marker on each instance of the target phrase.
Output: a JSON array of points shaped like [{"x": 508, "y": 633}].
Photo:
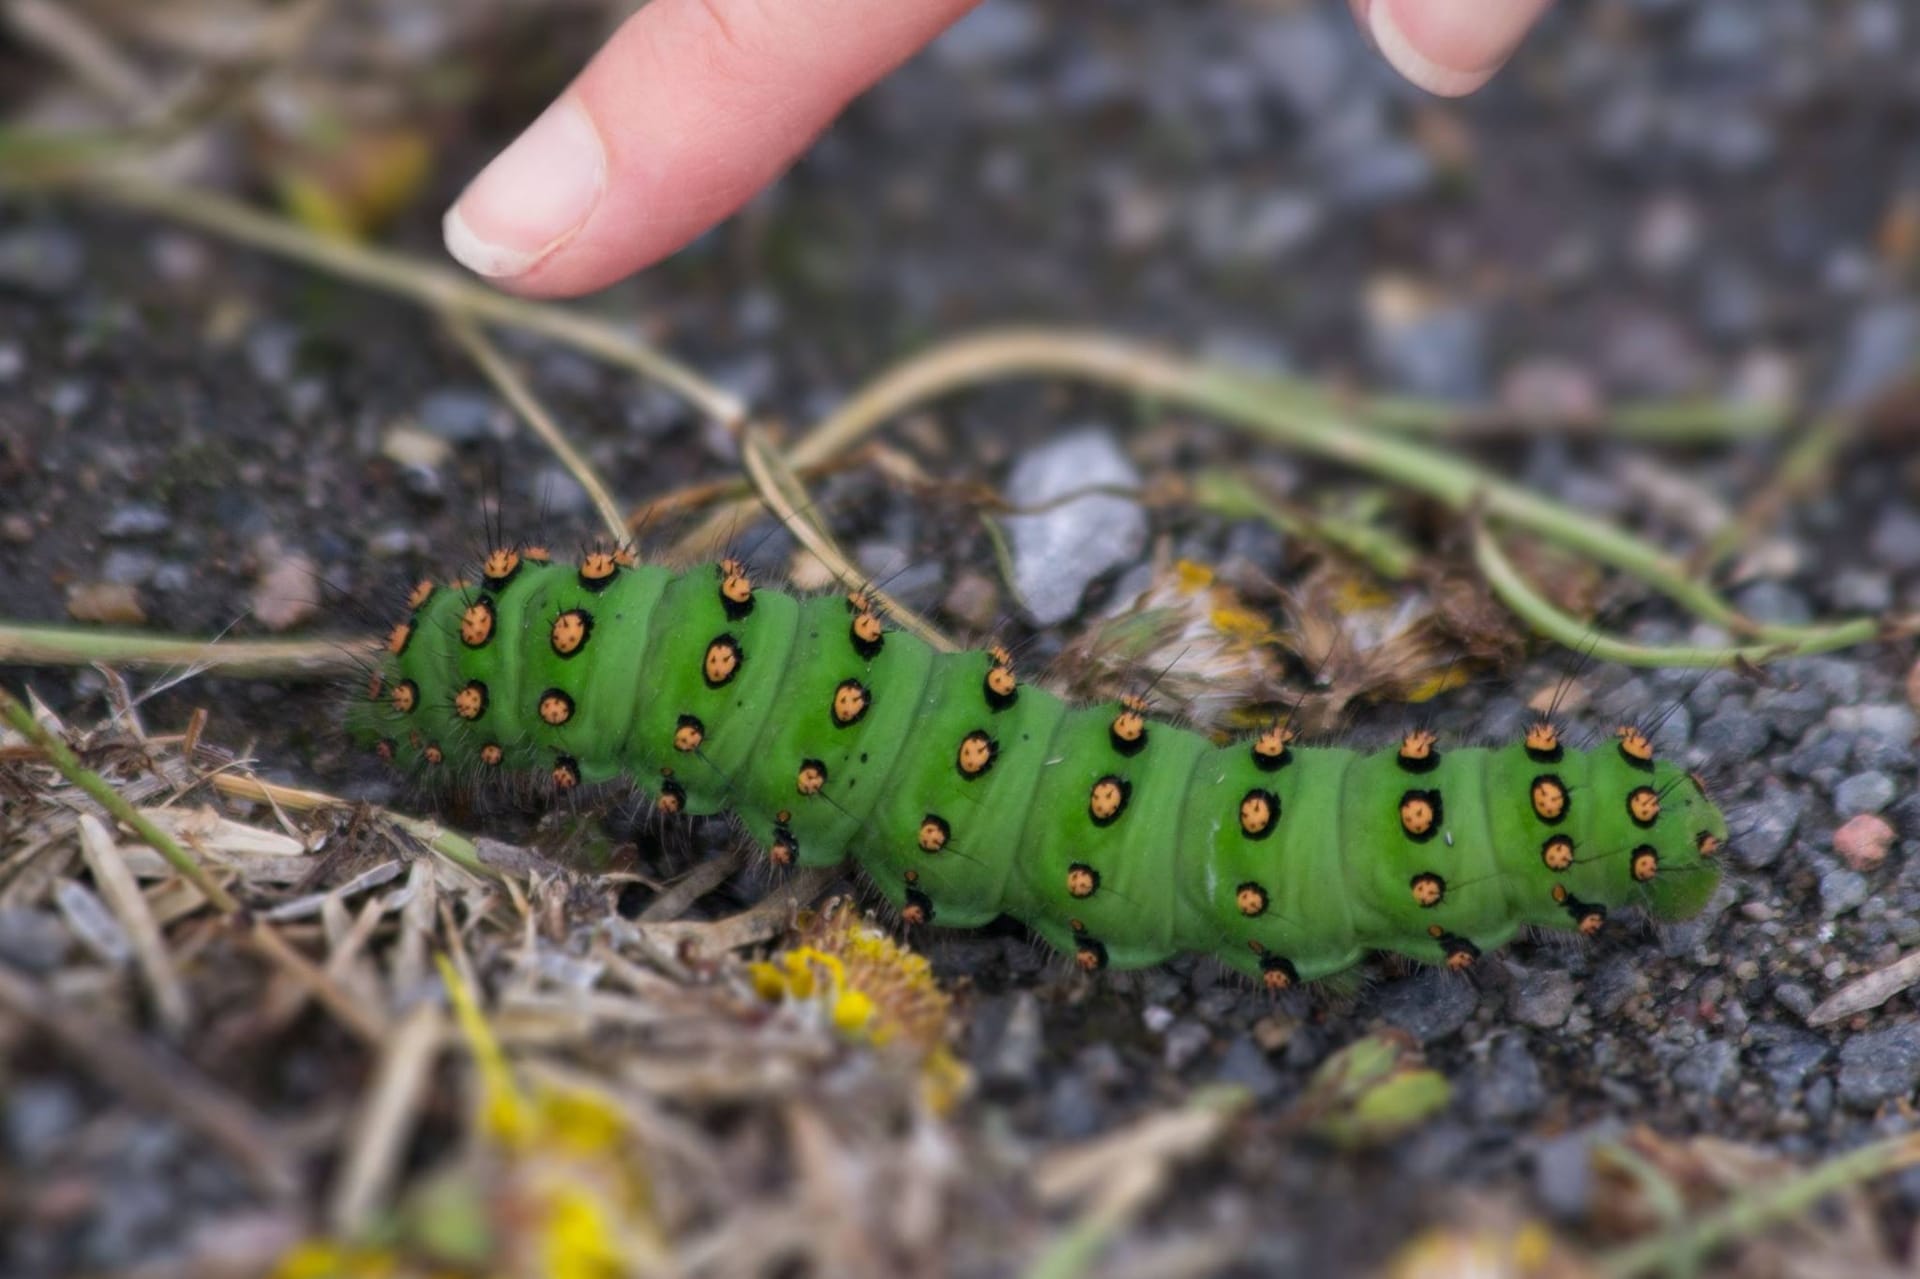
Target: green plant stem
[
  {"x": 1228, "y": 494},
  {"x": 1294, "y": 419},
  {"x": 62, "y": 757},
  {"x": 237, "y": 659},
  {"x": 1669, "y": 422},
  {"x": 403, "y": 276},
  {"x": 1683, "y": 1248},
  {"x": 1540, "y": 613}
]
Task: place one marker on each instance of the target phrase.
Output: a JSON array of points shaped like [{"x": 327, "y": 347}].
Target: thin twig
[
  {"x": 404, "y": 276},
  {"x": 236, "y": 659},
  {"x": 1680, "y": 1250},
  {"x": 454, "y": 847},
  {"x": 1307, "y": 423},
  {"x": 781, "y": 492},
  {"x": 102, "y": 792},
  {"x": 1540, "y": 613},
  {"x": 507, "y": 380}
]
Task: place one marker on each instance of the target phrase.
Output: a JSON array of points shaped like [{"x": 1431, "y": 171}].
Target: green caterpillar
[{"x": 965, "y": 795}]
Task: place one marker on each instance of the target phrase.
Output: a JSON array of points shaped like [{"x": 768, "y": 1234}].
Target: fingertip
[
  {"x": 1450, "y": 47},
  {"x": 533, "y": 198}
]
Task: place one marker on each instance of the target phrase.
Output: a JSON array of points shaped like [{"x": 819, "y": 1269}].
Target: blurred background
[{"x": 1697, "y": 217}]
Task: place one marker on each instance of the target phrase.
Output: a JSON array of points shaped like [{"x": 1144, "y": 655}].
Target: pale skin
[{"x": 695, "y": 105}]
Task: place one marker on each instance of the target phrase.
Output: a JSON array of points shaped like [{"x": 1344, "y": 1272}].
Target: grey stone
[
  {"x": 1885, "y": 719},
  {"x": 1732, "y": 734},
  {"x": 40, "y": 1116},
  {"x": 135, "y": 520},
  {"x": 41, "y": 259},
  {"x": 1879, "y": 349},
  {"x": 1895, "y": 540},
  {"x": 1842, "y": 890},
  {"x": 464, "y": 416},
  {"x": 1766, "y": 825},
  {"x": 1863, "y": 793},
  {"x": 1430, "y": 1006},
  {"x": 1541, "y": 997},
  {"x": 1563, "y": 1175},
  {"x": 1058, "y": 552},
  {"x": 1440, "y": 351},
  {"x": 272, "y": 350},
  {"x": 1015, "y": 1052},
  {"x": 1788, "y": 1055},
  {"x": 1613, "y": 984},
  {"x": 1246, "y": 1066},
  {"x": 1184, "y": 1043},
  {"x": 1880, "y": 1065},
  {"x": 996, "y": 33},
  {"x": 1822, "y": 756},
  {"x": 35, "y": 940},
  {"x": 1905, "y": 815},
  {"x": 1710, "y": 1069},
  {"x": 1791, "y": 711},
  {"x": 1509, "y": 1086},
  {"x": 1874, "y": 753},
  {"x": 125, "y": 567},
  {"x": 1859, "y": 590},
  {"x": 1795, "y": 998},
  {"x": 1775, "y": 602},
  {"x": 1073, "y": 1107}
]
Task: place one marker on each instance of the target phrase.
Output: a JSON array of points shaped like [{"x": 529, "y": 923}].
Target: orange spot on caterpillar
[
  {"x": 919, "y": 908},
  {"x": 672, "y": 797},
  {"x": 1428, "y": 888},
  {"x": 556, "y": 708},
  {"x": 850, "y": 702},
  {"x": 476, "y": 623},
  {"x": 1557, "y": 852},
  {"x": 1001, "y": 686},
  {"x": 1643, "y": 805},
  {"x": 811, "y": 777},
  {"x": 1634, "y": 744},
  {"x": 976, "y": 753},
  {"x": 597, "y": 569},
  {"x": 1549, "y": 798},
  {"x": 1588, "y": 919},
  {"x": 625, "y": 558},
  {"x": 1419, "y": 813},
  {"x": 406, "y": 696},
  {"x": 1646, "y": 864},
  {"x": 471, "y": 701},
  {"x": 1277, "y": 974},
  {"x": 498, "y": 568},
  {"x": 868, "y": 634},
  {"x": 491, "y": 754},
  {"x": 722, "y": 660},
  {"x": 385, "y": 748},
  {"x": 736, "y": 589},
  {"x": 538, "y": 555},
  {"x": 1417, "y": 746},
  {"x": 784, "y": 848},
  {"x": 688, "y": 734},
  {"x": 1251, "y": 899},
  {"x": 433, "y": 754},
  {"x": 1082, "y": 880},
  {"x": 569, "y": 632},
  {"x": 1270, "y": 748},
  {"x": 1258, "y": 810},
  {"x": 1707, "y": 842},
  {"x": 1107, "y": 799},
  {"x": 1090, "y": 955},
  {"x": 422, "y": 592},
  {"x": 1543, "y": 740},
  {"x": 1128, "y": 732},
  {"x": 399, "y": 637},
  {"x": 934, "y": 833}
]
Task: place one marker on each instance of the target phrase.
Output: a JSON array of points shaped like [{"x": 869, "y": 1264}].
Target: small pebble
[
  {"x": 1877, "y": 1066},
  {"x": 1541, "y": 997},
  {"x": 1863, "y": 793},
  {"x": 1059, "y": 551},
  {"x": 1863, "y": 842}
]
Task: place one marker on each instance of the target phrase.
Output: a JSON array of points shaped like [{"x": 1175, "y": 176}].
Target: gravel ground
[{"x": 1659, "y": 199}]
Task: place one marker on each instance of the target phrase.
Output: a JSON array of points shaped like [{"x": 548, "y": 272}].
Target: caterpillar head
[{"x": 1678, "y": 865}]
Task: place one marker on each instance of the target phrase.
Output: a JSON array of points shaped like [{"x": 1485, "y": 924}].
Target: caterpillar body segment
[{"x": 965, "y": 793}]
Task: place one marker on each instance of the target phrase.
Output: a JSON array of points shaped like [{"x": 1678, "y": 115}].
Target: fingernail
[
  {"x": 532, "y": 198},
  {"x": 1414, "y": 65}
]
